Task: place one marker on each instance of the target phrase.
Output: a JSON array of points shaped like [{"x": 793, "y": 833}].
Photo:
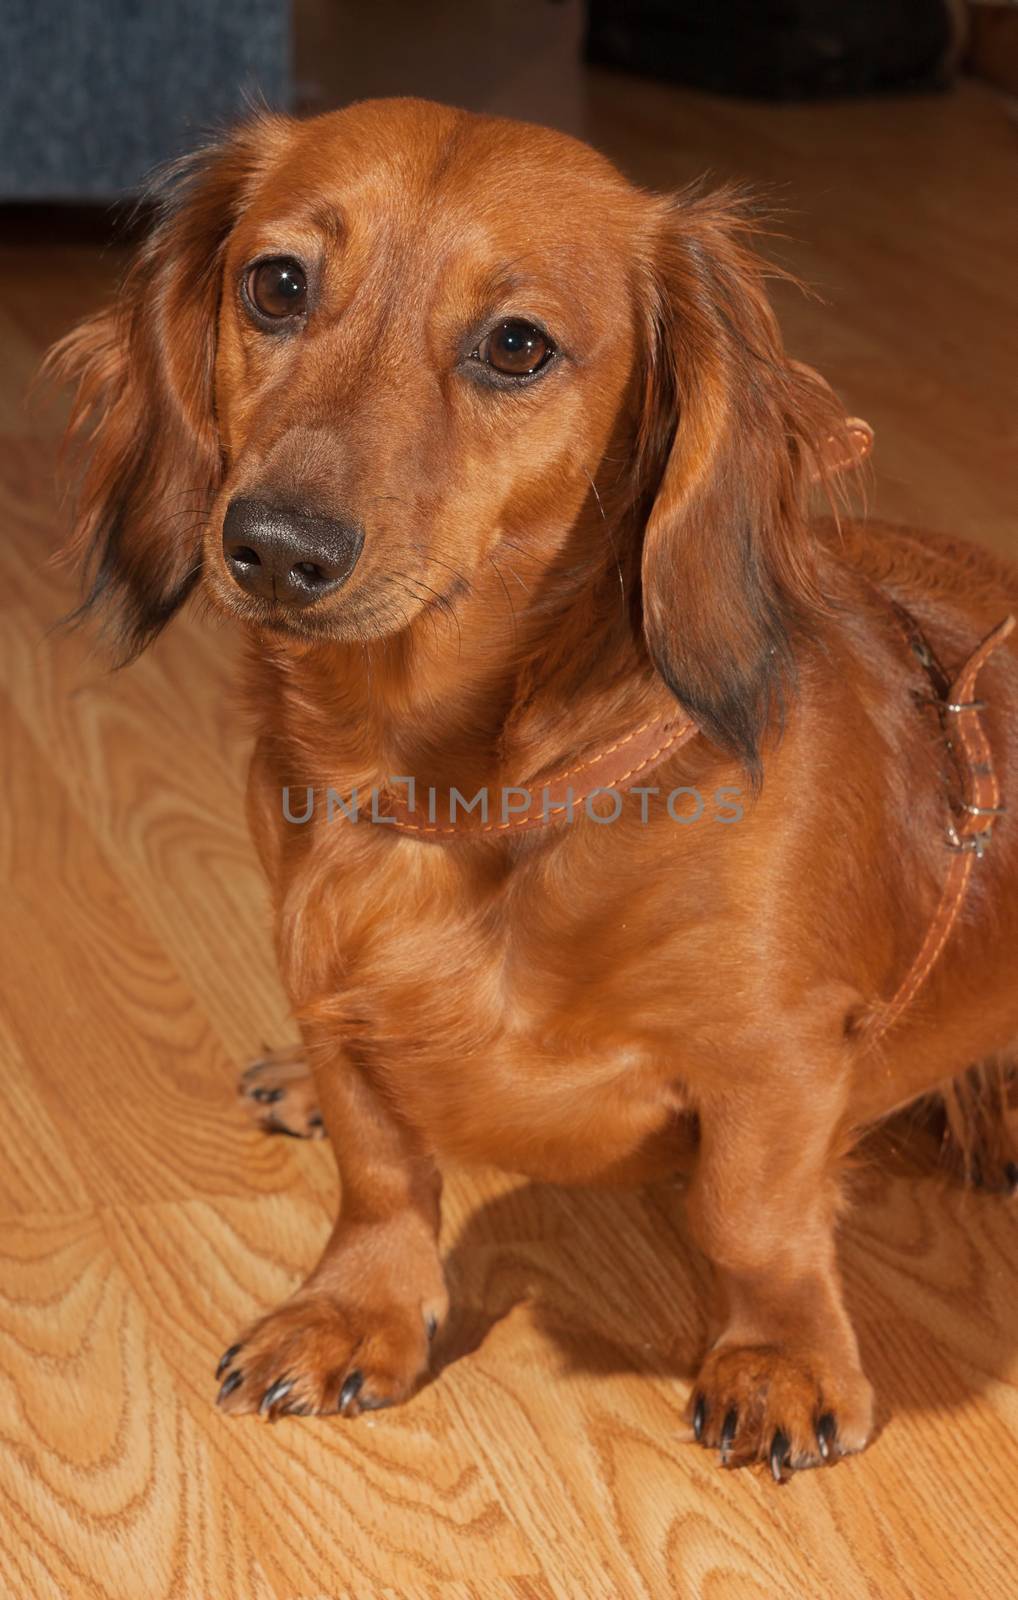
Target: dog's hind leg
[
  {"x": 279, "y": 1095},
  {"x": 980, "y": 1128}
]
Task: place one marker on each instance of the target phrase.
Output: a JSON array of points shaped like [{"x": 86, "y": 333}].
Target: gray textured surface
[{"x": 98, "y": 92}]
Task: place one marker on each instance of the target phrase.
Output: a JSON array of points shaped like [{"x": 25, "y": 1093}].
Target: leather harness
[{"x": 973, "y": 808}]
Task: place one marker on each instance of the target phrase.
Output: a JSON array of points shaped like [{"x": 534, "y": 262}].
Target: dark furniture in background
[{"x": 780, "y": 49}]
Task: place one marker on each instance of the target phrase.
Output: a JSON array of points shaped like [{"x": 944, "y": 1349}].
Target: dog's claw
[
  {"x": 275, "y": 1391},
  {"x": 778, "y": 1455},
  {"x": 699, "y": 1417},
  {"x": 350, "y": 1389},
  {"x": 225, "y": 1359},
  {"x": 432, "y": 1327},
  {"x": 1011, "y": 1174},
  {"x": 369, "y": 1403},
  {"x": 826, "y": 1429},
  {"x": 728, "y": 1431},
  {"x": 229, "y": 1384}
]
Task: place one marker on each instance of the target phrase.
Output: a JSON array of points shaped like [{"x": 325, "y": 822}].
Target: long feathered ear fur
[
  {"x": 734, "y": 435},
  {"x": 142, "y": 431}
]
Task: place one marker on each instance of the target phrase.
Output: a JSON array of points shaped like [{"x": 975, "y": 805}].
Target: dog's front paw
[
  {"x": 316, "y": 1354},
  {"x": 757, "y": 1403}
]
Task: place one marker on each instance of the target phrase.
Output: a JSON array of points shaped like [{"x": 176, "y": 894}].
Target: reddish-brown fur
[{"x": 543, "y": 570}]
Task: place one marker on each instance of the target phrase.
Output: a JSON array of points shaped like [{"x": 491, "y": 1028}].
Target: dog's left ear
[
  {"x": 142, "y": 424},
  {"x": 734, "y": 436}
]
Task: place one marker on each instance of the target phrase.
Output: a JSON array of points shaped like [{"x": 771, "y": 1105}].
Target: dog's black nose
[{"x": 285, "y": 555}]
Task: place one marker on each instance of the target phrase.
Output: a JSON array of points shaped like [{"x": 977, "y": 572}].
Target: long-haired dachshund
[{"x": 621, "y": 817}]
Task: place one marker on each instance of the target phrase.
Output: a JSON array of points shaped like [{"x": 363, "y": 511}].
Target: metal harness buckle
[{"x": 977, "y": 843}]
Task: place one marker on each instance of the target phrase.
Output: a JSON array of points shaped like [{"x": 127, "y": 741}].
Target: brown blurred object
[
  {"x": 516, "y": 58},
  {"x": 993, "y": 43}
]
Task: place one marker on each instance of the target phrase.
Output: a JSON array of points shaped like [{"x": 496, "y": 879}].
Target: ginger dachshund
[{"x": 622, "y": 818}]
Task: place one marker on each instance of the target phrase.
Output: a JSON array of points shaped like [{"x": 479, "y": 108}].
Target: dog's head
[{"x": 363, "y": 357}]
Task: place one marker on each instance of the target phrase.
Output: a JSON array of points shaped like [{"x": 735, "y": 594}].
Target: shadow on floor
[{"x": 614, "y": 1284}]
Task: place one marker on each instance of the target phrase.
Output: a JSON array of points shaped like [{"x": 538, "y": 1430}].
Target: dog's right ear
[{"x": 142, "y": 428}]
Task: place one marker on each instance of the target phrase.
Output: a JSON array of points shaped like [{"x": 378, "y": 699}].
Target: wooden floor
[{"x": 143, "y": 1222}]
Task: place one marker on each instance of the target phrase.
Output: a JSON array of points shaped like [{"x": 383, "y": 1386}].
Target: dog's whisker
[
  {"x": 508, "y": 598},
  {"x": 531, "y": 555},
  {"x": 460, "y": 578},
  {"x": 611, "y": 537},
  {"x": 439, "y": 602}
]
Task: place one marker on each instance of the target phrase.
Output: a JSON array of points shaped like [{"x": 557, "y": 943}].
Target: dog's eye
[
  {"x": 515, "y": 348},
  {"x": 278, "y": 289}
]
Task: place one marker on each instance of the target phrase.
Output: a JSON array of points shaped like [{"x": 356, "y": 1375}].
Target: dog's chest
[
  {"x": 530, "y": 953},
  {"x": 513, "y": 1018}
]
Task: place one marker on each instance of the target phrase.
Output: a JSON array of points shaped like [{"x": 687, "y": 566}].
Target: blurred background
[{"x": 103, "y": 90}]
